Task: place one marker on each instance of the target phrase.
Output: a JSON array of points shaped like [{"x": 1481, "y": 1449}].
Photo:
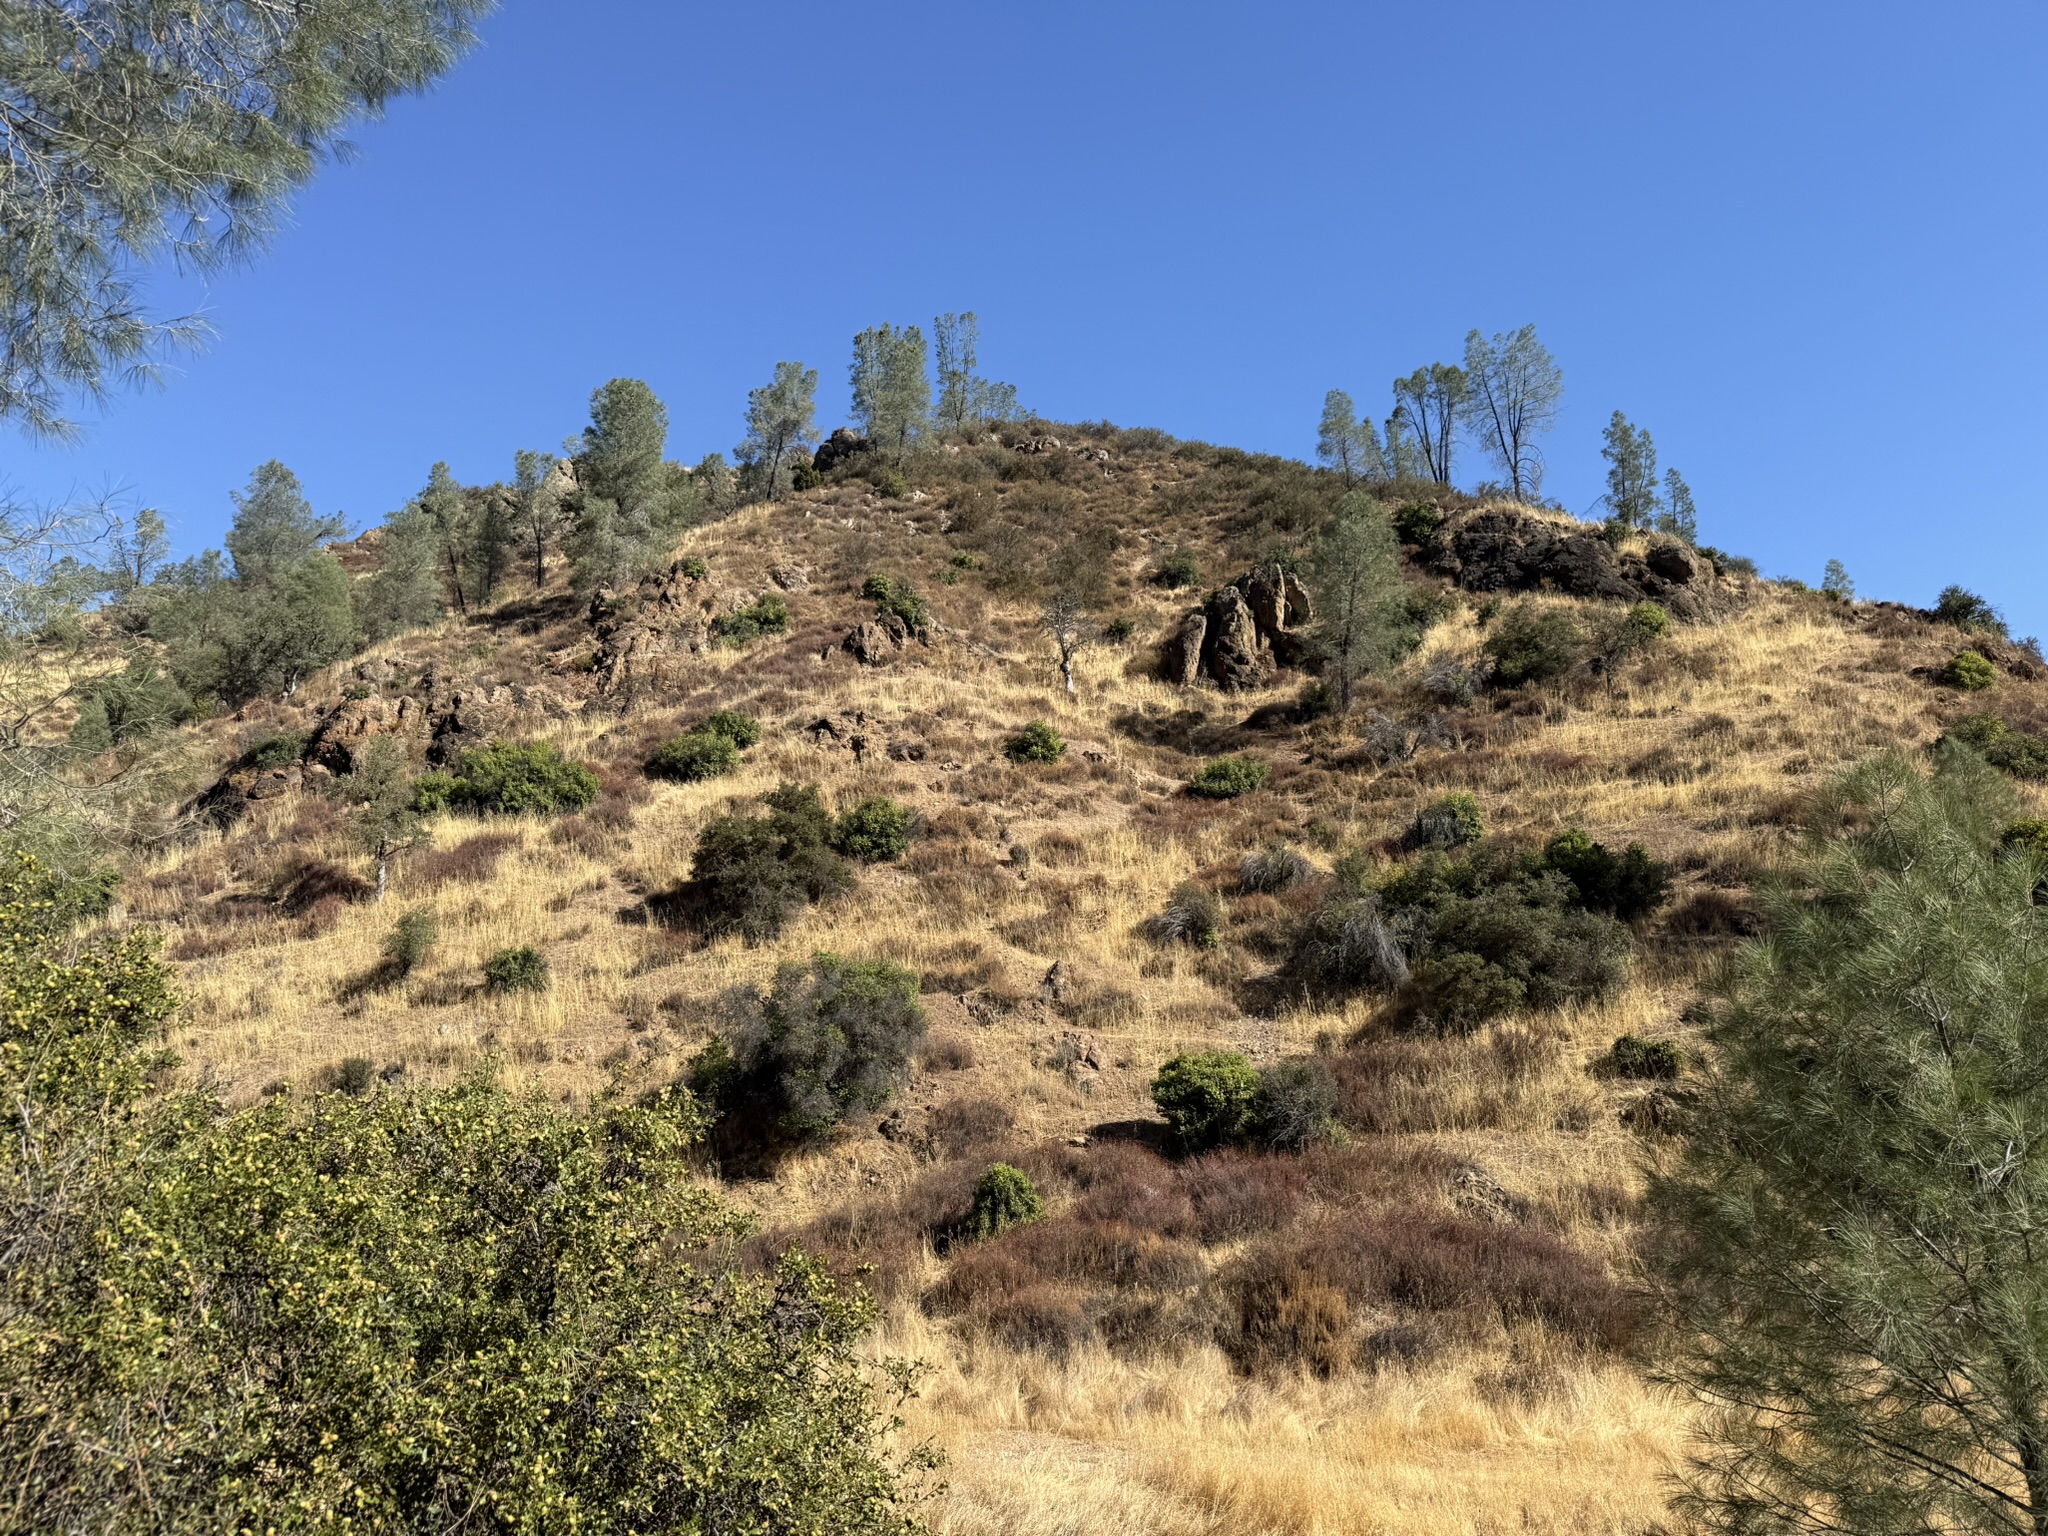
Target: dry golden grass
[{"x": 1700, "y": 753}]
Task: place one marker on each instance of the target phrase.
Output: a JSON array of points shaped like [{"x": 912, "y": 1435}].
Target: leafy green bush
[
  {"x": 892, "y": 484},
  {"x": 1968, "y": 670},
  {"x": 1627, "y": 885},
  {"x": 1179, "y": 570},
  {"x": 694, "y": 569},
  {"x": 1036, "y": 743},
  {"x": 736, "y": 726},
  {"x": 1296, "y": 1105},
  {"x": 690, "y": 759},
  {"x": 483, "y": 1236},
  {"x": 1633, "y": 1056},
  {"x": 766, "y": 615},
  {"x": 1225, "y": 778},
  {"x": 1533, "y": 645},
  {"x": 1449, "y": 822},
  {"x": 895, "y": 596},
  {"x": 1415, "y": 522},
  {"x": 1193, "y": 915},
  {"x": 277, "y": 751},
  {"x": 2030, "y": 836},
  {"x": 411, "y": 940},
  {"x": 1966, "y": 610},
  {"x": 826, "y": 1040},
  {"x": 1004, "y": 1197},
  {"x": 509, "y": 779},
  {"x": 1207, "y": 1098},
  {"x": 752, "y": 875},
  {"x": 138, "y": 704},
  {"x": 806, "y": 476},
  {"x": 355, "y": 1076},
  {"x": 1119, "y": 631},
  {"x": 2003, "y": 746},
  {"x": 523, "y": 969},
  {"x": 875, "y": 831}
]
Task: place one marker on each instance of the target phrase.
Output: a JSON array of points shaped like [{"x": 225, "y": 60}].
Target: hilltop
[{"x": 1425, "y": 1324}]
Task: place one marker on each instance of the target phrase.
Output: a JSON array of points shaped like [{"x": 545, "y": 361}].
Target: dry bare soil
[{"x": 1429, "y": 1328}]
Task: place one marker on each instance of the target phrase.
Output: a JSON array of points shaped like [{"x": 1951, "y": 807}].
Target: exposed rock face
[
  {"x": 1181, "y": 661},
  {"x": 1231, "y": 652},
  {"x": 647, "y": 640},
  {"x": 439, "y": 718},
  {"x": 872, "y": 644},
  {"x": 791, "y": 578},
  {"x": 1500, "y": 550},
  {"x": 843, "y": 444},
  {"x": 1281, "y": 608}
]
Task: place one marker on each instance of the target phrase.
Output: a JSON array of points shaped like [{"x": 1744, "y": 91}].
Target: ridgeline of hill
[{"x": 1427, "y": 923}]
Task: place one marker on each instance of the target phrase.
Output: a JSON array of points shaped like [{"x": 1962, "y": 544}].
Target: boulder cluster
[
  {"x": 1243, "y": 632},
  {"x": 1496, "y": 549}
]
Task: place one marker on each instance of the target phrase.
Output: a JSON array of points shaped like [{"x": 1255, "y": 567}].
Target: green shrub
[
  {"x": 355, "y": 1076},
  {"x": 1119, "y": 631},
  {"x": 1414, "y": 523},
  {"x": 826, "y": 1040},
  {"x": 1179, "y": 570},
  {"x": 1533, "y": 645},
  {"x": 2005, "y": 747},
  {"x": 1317, "y": 700},
  {"x": 2030, "y": 836},
  {"x": 523, "y": 969},
  {"x": 1628, "y": 885},
  {"x": 1450, "y": 822},
  {"x": 1036, "y": 743},
  {"x": 875, "y": 831},
  {"x": 509, "y": 779},
  {"x": 767, "y": 615},
  {"x": 1193, "y": 915},
  {"x": 694, "y": 569},
  {"x": 689, "y": 759},
  {"x": 1004, "y": 1197},
  {"x": 1966, "y": 610},
  {"x": 1633, "y": 1056},
  {"x": 277, "y": 751},
  {"x": 1225, "y": 778},
  {"x": 1207, "y": 1097},
  {"x": 1970, "y": 671},
  {"x": 752, "y": 875},
  {"x": 1296, "y": 1105},
  {"x": 736, "y": 726},
  {"x": 411, "y": 940},
  {"x": 806, "y": 476},
  {"x": 897, "y": 597}
]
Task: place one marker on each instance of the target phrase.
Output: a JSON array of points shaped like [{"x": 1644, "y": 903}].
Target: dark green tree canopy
[{"x": 135, "y": 129}]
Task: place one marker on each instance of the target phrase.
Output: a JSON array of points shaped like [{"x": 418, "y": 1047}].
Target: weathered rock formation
[
  {"x": 843, "y": 444},
  {"x": 1243, "y": 633},
  {"x": 1498, "y": 549},
  {"x": 1231, "y": 652},
  {"x": 646, "y": 640},
  {"x": 1181, "y": 661},
  {"x": 438, "y": 718}
]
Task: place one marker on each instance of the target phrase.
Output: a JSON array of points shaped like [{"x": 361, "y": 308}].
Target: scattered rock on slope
[{"x": 1498, "y": 549}]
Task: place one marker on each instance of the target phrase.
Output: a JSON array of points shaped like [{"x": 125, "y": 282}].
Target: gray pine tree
[
  {"x": 1632, "y": 500},
  {"x": 1516, "y": 389},
  {"x": 782, "y": 421},
  {"x": 892, "y": 391}
]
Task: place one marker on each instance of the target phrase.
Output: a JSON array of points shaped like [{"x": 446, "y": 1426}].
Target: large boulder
[
  {"x": 1231, "y": 653},
  {"x": 647, "y": 640},
  {"x": 1180, "y": 660},
  {"x": 843, "y": 444}
]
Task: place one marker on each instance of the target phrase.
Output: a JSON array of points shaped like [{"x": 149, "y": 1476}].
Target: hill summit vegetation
[{"x": 1202, "y": 992}]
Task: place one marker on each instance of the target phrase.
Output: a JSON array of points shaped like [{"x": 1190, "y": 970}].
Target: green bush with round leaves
[
  {"x": 1036, "y": 743},
  {"x": 1004, "y": 1197},
  {"x": 1226, "y": 778}
]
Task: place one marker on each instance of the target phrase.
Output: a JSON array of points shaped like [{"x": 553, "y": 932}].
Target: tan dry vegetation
[{"x": 1700, "y": 751}]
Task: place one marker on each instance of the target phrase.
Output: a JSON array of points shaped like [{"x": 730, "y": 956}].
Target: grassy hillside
[{"x": 1427, "y": 1327}]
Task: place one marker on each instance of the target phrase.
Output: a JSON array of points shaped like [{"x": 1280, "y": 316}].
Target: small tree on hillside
[
  {"x": 1065, "y": 619},
  {"x": 892, "y": 392},
  {"x": 1856, "y": 1261},
  {"x": 1835, "y": 582},
  {"x": 405, "y": 592},
  {"x": 1435, "y": 398},
  {"x": 538, "y": 508},
  {"x": 1631, "y": 473},
  {"x": 1355, "y": 566},
  {"x": 781, "y": 422},
  {"x": 275, "y": 527},
  {"x": 387, "y": 820},
  {"x": 965, "y": 398},
  {"x": 1679, "y": 518},
  {"x": 1347, "y": 443},
  {"x": 458, "y": 526},
  {"x": 1404, "y": 458},
  {"x": 629, "y": 506},
  {"x": 1516, "y": 388},
  {"x": 136, "y": 551}
]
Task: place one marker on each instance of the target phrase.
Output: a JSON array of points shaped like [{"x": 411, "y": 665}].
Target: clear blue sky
[{"x": 1803, "y": 244}]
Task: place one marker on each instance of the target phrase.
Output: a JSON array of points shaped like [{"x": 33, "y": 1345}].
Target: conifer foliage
[{"x": 1856, "y": 1262}]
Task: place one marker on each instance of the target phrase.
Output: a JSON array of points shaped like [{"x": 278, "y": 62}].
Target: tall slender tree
[
  {"x": 136, "y": 550},
  {"x": 965, "y": 398},
  {"x": 782, "y": 420},
  {"x": 1631, "y": 473},
  {"x": 1516, "y": 389},
  {"x": 1347, "y": 443},
  {"x": 539, "y": 504},
  {"x": 1355, "y": 570},
  {"x": 892, "y": 391},
  {"x": 133, "y": 129},
  {"x": 1679, "y": 518},
  {"x": 275, "y": 527},
  {"x": 404, "y": 593},
  {"x": 1435, "y": 398}
]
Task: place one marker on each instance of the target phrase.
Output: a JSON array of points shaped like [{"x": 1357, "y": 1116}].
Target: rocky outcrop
[
  {"x": 647, "y": 640},
  {"x": 1498, "y": 549},
  {"x": 1231, "y": 650},
  {"x": 843, "y": 444},
  {"x": 1282, "y": 611},
  {"x": 1181, "y": 658},
  {"x": 437, "y": 719},
  {"x": 873, "y": 644}
]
